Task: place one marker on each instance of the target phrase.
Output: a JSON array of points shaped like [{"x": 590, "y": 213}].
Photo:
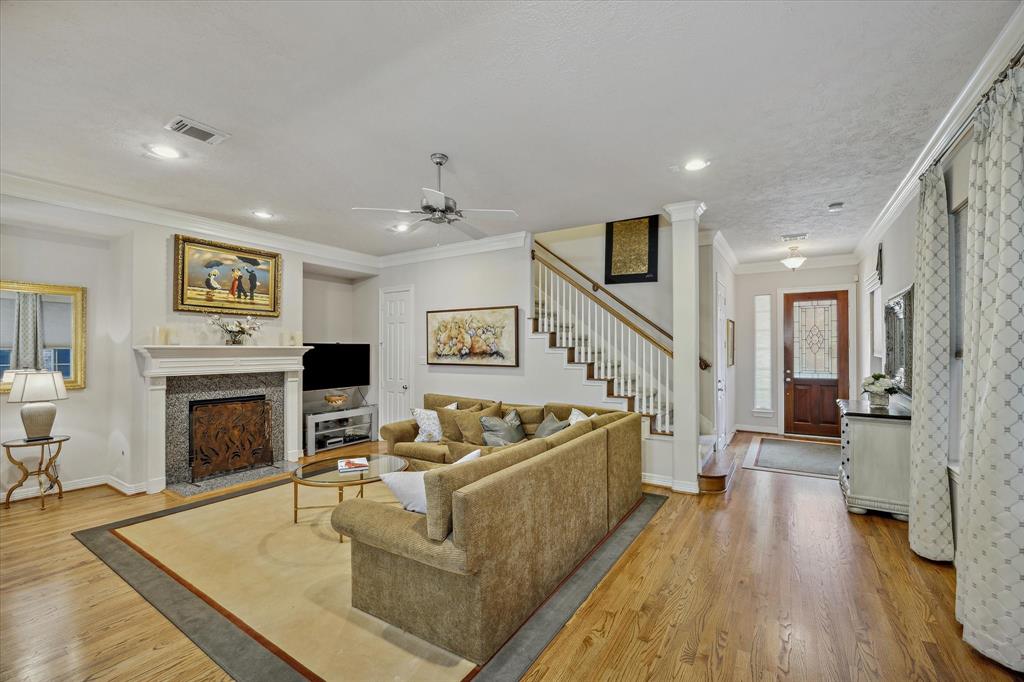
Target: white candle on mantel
[
  {"x": 171, "y": 336},
  {"x": 159, "y": 336}
]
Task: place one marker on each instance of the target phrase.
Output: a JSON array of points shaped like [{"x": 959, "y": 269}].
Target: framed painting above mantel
[
  {"x": 214, "y": 277},
  {"x": 631, "y": 250},
  {"x": 483, "y": 337}
]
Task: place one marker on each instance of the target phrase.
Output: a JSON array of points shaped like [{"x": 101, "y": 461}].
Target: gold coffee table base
[{"x": 341, "y": 498}]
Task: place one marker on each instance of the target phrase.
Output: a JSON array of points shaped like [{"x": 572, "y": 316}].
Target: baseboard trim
[
  {"x": 30, "y": 490},
  {"x": 757, "y": 429},
  {"x": 688, "y": 487},
  {"x": 656, "y": 479},
  {"x": 125, "y": 488}
]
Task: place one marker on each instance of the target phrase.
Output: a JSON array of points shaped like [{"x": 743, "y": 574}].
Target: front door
[
  {"x": 395, "y": 356},
  {"x": 816, "y": 333}
]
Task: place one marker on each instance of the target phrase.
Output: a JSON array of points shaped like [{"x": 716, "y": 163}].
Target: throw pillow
[
  {"x": 449, "y": 427},
  {"x": 550, "y": 426},
  {"x": 503, "y": 431},
  {"x": 429, "y": 425},
  {"x": 578, "y": 416},
  {"x": 408, "y": 486},
  {"x": 453, "y": 406},
  {"x": 471, "y": 430}
]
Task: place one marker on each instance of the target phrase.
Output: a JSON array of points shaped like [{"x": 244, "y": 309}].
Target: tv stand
[{"x": 330, "y": 428}]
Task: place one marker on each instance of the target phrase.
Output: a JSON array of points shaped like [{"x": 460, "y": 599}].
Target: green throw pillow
[
  {"x": 503, "y": 430},
  {"x": 550, "y": 426}
]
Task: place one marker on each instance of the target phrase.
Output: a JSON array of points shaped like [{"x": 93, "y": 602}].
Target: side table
[{"x": 40, "y": 470}]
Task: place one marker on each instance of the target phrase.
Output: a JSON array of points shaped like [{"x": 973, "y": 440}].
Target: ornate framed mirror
[
  {"x": 42, "y": 326},
  {"x": 899, "y": 339}
]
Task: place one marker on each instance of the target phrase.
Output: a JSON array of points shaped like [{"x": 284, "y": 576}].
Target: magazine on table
[{"x": 352, "y": 465}]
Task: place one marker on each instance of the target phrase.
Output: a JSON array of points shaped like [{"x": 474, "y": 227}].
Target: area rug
[
  {"x": 791, "y": 456},
  {"x": 268, "y": 599}
]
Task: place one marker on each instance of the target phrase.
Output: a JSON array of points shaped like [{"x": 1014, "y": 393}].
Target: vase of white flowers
[
  {"x": 879, "y": 387},
  {"x": 236, "y": 331}
]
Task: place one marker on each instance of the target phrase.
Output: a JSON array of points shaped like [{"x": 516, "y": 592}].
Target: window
[
  {"x": 763, "y": 352},
  {"x": 958, "y": 247}
]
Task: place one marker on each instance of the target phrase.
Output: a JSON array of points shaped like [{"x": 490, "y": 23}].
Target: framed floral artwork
[{"x": 487, "y": 337}]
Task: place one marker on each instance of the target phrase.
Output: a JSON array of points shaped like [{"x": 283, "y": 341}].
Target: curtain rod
[{"x": 966, "y": 125}]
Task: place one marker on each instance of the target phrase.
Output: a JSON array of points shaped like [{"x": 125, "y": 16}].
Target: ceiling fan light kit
[{"x": 437, "y": 208}]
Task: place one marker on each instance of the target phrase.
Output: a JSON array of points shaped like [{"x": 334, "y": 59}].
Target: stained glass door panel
[{"x": 816, "y": 332}]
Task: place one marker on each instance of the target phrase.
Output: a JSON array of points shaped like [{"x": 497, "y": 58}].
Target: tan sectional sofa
[{"x": 500, "y": 533}]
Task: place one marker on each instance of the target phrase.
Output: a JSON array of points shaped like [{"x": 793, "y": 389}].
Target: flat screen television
[{"x": 335, "y": 365}]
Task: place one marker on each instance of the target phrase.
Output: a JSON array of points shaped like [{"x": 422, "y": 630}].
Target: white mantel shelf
[{"x": 165, "y": 361}]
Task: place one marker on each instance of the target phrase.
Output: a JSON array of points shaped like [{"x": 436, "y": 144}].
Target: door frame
[
  {"x": 398, "y": 288},
  {"x": 721, "y": 371},
  {"x": 780, "y": 340}
]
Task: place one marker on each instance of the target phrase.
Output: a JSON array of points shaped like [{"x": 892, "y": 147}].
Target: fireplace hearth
[{"x": 227, "y": 435}]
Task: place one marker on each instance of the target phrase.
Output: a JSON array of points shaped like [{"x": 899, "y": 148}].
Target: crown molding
[
  {"x": 716, "y": 239},
  {"x": 995, "y": 60},
  {"x": 458, "y": 249},
  {"x": 94, "y": 202},
  {"x": 812, "y": 263},
  {"x": 684, "y": 210}
]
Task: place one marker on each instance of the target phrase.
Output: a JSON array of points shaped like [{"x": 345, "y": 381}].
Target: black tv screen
[{"x": 335, "y": 365}]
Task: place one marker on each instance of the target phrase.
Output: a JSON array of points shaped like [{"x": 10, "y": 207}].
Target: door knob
[
  {"x": 405, "y": 387},
  {"x": 788, "y": 380}
]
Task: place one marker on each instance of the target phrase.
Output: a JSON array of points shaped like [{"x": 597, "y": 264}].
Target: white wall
[
  {"x": 750, "y": 285},
  {"x": 326, "y": 309},
  {"x": 584, "y": 248},
  {"x": 46, "y": 257}
]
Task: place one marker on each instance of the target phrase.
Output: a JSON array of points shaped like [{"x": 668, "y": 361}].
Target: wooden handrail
[
  {"x": 598, "y": 287},
  {"x": 614, "y": 313}
]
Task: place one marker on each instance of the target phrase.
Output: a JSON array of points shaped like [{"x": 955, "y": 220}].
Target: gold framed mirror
[{"x": 42, "y": 326}]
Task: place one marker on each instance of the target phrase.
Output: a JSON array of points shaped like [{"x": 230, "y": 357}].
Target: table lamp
[{"x": 36, "y": 390}]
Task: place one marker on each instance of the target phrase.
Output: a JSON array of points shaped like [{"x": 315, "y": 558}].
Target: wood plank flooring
[{"x": 772, "y": 580}]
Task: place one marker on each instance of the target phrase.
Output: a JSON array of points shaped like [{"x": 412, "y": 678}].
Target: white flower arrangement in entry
[{"x": 879, "y": 387}]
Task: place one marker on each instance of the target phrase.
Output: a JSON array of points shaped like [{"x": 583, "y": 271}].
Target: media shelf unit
[{"x": 331, "y": 428}]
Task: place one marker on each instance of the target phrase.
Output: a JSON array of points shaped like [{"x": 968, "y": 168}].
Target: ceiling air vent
[
  {"x": 197, "y": 130},
  {"x": 794, "y": 237}
]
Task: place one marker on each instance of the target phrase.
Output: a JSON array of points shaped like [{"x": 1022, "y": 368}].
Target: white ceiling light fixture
[
  {"x": 163, "y": 151},
  {"x": 696, "y": 164},
  {"x": 400, "y": 227},
  {"x": 836, "y": 207},
  {"x": 265, "y": 215},
  {"x": 794, "y": 259}
]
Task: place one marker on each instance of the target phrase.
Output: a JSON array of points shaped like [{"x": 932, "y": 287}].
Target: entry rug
[
  {"x": 791, "y": 456},
  {"x": 269, "y": 599}
]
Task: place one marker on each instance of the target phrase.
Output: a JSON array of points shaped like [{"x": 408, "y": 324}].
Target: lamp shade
[
  {"x": 794, "y": 259},
  {"x": 34, "y": 387}
]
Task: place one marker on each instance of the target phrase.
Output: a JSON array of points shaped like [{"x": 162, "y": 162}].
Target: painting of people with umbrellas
[{"x": 212, "y": 277}]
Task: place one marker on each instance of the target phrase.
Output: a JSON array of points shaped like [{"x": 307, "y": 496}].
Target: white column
[
  {"x": 292, "y": 416},
  {"x": 155, "y": 439},
  {"x": 685, "y": 218}
]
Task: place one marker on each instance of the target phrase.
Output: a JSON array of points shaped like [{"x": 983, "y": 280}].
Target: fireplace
[{"x": 228, "y": 435}]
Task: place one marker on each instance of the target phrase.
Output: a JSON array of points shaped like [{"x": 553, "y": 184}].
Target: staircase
[{"x": 618, "y": 345}]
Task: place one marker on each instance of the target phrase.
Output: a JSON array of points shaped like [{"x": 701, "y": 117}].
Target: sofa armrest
[
  {"x": 399, "y": 432},
  {"x": 392, "y": 529}
]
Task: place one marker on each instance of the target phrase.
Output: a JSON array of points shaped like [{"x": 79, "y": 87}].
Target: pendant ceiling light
[{"x": 794, "y": 259}]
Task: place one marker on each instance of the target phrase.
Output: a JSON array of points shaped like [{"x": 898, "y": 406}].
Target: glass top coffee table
[{"x": 324, "y": 474}]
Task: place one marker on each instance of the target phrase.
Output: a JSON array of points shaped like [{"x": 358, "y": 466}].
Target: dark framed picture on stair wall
[{"x": 631, "y": 250}]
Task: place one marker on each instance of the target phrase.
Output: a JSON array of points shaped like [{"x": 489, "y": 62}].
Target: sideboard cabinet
[{"x": 874, "y": 470}]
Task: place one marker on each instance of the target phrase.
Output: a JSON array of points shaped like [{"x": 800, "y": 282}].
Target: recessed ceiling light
[
  {"x": 696, "y": 164},
  {"x": 260, "y": 213},
  {"x": 835, "y": 207},
  {"x": 400, "y": 227},
  {"x": 162, "y": 151}
]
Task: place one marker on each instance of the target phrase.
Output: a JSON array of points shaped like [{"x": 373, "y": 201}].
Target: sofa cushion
[
  {"x": 577, "y": 415},
  {"x": 450, "y": 427},
  {"x": 551, "y": 425},
  {"x": 563, "y": 410},
  {"x": 605, "y": 419},
  {"x": 429, "y": 452},
  {"x": 441, "y": 483},
  {"x": 428, "y": 425},
  {"x": 457, "y": 450},
  {"x": 567, "y": 434},
  {"x": 469, "y": 423},
  {"x": 503, "y": 430},
  {"x": 432, "y": 401},
  {"x": 407, "y": 487}
]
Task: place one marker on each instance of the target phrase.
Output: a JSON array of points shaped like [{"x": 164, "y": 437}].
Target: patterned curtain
[
  {"x": 990, "y": 552},
  {"x": 27, "y": 351},
  {"x": 931, "y": 516}
]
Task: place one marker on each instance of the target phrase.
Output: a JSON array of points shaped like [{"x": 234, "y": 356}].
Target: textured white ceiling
[{"x": 571, "y": 113}]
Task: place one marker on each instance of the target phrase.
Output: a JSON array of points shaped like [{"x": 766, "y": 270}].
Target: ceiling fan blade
[
  {"x": 471, "y": 231},
  {"x": 388, "y": 210},
  {"x": 495, "y": 212},
  {"x": 434, "y": 198}
]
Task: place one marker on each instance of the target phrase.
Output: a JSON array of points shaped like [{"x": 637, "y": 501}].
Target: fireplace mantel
[
  {"x": 159, "y": 362},
  {"x": 165, "y": 361}
]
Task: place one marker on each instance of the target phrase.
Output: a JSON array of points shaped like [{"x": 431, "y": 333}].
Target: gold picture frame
[
  {"x": 215, "y": 277},
  {"x": 78, "y": 330},
  {"x": 730, "y": 343},
  {"x": 481, "y": 337}
]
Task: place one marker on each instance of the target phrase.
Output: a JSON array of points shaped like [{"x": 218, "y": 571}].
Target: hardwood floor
[{"x": 772, "y": 580}]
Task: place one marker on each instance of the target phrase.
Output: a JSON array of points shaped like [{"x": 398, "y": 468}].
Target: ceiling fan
[{"x": 437, "y": 208}]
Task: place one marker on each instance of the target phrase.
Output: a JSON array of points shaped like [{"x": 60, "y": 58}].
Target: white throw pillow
[
  {"x": 577, "y": 416},
  {"x": 453, "y": 406},
  {"x": 430, "y": 425},
  {"x": 408, "y": 487}
]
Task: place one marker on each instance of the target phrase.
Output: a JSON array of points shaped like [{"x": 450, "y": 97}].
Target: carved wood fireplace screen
[{"x": 229, "y": 434}]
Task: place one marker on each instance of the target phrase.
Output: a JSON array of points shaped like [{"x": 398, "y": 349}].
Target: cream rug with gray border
[{"x": 793, "y": 456}]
